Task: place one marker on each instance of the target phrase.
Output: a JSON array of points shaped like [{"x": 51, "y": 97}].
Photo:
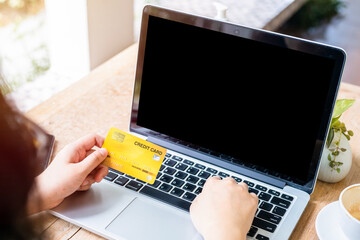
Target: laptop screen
[{"x": 242, "y": 99}]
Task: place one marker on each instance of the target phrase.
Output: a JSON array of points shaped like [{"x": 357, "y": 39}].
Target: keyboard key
[
  {"x": 264, "y": 225},
  {"x": 279, "y": 211},
  {"x": 211, "y": 170},
  {"x": 261, "y": 237},
  {"x": 287, "y": 197},
  {"x": 273, "y": 192},
  {"x": 133, "y": 185},
  {"x": 200, "y": 166},
  {"x": 170, "y": 162},
  {"x": 128, "y": 176},
  {"x": 155, "y": 184},
  {"x": 116, "y": 171},
  {"x": 140, "y": 181},
  {"x": 192, "y": 170},
  {"x": 280, "y": 202},
  {"x": 189, "y": 187},
  {"x": 269, "y": 217},
  {"x": 198, "y": 190},
  {"x": 162, "y": 167},
  {"x": 201, "y": 182},
  {"x": 189, "y": 196},
  {"x": 223, "y": 175},
  {"x": 261, "y": 188},
  {"x": 121, "y": 180},
  {"x": 188, "y": 162},
  {"x": 253, "y": 230},
  {"x": 169, "y": 170},
  {"x": 237, "y": 179},
  {"x": 253, "y": 190},
  {"x": 110, "y": 176},
  {"x": 167, "y": 155},
  {"x": 250, "y": 184},
  {"x": 264, "y": 196},
  {"x": 158, "y": 175},
  {"x": 165, "y": 197},
  {"x": 165, "y": 187},
  {"x": 177, "y": 158},
  {"x": 266, "y": 206},
  {"x": 181, "y": 175},
  {"x": 192, "y": 179},
  {"x": 166, "y": 178},
  {"x": 177, "y": 192},
  {"x": 204, "y": 174},
  {"x": 181, "y": 166},
  {"x": 177, "y": 183}
]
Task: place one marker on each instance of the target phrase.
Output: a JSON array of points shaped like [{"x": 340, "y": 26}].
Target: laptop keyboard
[{"x": 180, "y": 180}]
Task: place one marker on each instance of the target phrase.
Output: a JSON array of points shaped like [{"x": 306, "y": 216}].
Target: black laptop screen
[{"x": 257, "y": 104}]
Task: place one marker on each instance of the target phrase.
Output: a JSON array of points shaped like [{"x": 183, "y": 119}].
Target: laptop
[{"x": 224, "y": 100}]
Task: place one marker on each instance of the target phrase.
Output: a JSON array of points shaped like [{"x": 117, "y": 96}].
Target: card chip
[{"x": 118, "y": 136}]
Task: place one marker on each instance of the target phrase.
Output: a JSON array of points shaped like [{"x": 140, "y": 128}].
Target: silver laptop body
[{"x": 225, "y": 100}]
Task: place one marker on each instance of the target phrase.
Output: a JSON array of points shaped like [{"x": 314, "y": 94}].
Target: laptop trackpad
[{"x": 144, "y": 219}]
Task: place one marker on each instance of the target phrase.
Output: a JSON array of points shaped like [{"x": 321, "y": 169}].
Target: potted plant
[
  {"x": 337, "y": 157},
  {"x": 316, "y": 12}
]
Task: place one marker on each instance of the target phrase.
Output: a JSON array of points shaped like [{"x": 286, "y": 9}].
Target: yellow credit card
[{"x": 133, "y": 156}]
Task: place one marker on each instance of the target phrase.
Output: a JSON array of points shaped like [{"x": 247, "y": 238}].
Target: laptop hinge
[{"x": 218, "y": 162}]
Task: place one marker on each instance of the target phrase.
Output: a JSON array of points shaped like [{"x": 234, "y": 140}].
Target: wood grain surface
[{"x": 103, "y": 99}]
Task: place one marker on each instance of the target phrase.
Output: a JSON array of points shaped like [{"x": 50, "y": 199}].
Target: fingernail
[{"x": 103, "y": 151}]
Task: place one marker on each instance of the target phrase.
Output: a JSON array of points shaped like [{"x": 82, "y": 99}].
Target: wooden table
[{"x": 103, "y": 99}]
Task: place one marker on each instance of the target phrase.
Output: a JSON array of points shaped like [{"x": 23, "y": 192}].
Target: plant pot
[{"x": 330, "y": 175}]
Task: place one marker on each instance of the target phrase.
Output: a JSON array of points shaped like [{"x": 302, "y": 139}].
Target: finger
[
  {"x": 84, "y": 188},
  {"x": 211, "y": 180},
  {"x": 89, "y": 179},
  {"x": 230, "y": 179},
  {"x": 254, "y": 195},
  {"x": 89, "y": 141},
  {"x": 89, "y": 152},
  {"x": 244, "y": 186},
  {"x": 100, "y": 173},
  {"x": 194, "y": 204},
  {"x": 92, "y": 161}
]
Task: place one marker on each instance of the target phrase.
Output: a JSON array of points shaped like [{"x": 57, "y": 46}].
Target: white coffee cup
[{"x": 349, "y": 218}]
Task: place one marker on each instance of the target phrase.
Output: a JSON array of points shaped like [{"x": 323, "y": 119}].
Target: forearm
[{"x": 39, "y": 198}]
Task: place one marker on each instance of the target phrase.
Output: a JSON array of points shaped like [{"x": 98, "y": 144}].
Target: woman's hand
[
  {"x": 76, "y": 167},
  {"x": 224, "y": 209}
]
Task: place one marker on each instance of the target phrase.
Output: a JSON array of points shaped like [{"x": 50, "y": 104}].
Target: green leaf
[
  {"x": 332, "y": 164},
  {"x": 329, "y": 157},
  {"x": 338, "y": 170},
  {"x": 334, "y": 121},
  {"x": 341, "y": 106},
  {"x": 330, "y": 137}
]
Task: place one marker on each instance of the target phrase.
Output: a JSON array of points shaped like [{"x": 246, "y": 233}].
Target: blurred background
[{"x": 45, "y": 45}]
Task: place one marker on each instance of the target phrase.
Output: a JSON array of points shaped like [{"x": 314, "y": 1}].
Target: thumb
[{"x": 93, "y": 160}]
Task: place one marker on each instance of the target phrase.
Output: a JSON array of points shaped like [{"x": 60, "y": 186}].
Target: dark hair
[{"x": 17, "y": 171}]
